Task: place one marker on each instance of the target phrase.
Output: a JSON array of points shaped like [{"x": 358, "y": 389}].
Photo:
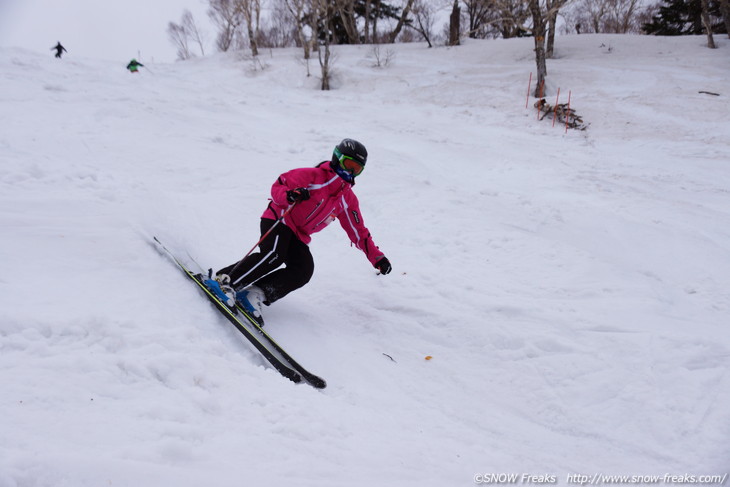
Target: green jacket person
[{"x": 133, "y": 66}]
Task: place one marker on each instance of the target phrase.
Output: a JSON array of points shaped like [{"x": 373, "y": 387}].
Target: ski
[
  {"x": 243, "y": 322},
  {"x": 313, "y": 380}
]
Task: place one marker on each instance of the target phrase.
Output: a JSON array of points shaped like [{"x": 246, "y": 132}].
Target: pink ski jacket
[{"x": 330, "y": 197}]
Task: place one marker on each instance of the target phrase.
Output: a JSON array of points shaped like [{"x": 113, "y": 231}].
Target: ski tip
[{"x": 317, "y": 383}]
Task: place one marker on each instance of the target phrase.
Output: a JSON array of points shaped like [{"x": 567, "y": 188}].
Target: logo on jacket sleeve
[{"x": 356, "y": 216}]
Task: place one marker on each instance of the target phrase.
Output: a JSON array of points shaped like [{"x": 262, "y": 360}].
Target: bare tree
[
  {"x": 251, "y": 11},
  {"x": 424, "y": 19},
  {"x": 280, "y": 29},
  {"x": 480, "y": 15},
  {"x": 230, "y": 16},
  {"x": 381, "y": 58},
  {"x": 508, "y": 18},
  {"x": 298, "y": 10},
  {"x": 401, "y": 21},
  {"x": 495, "y": 18},
  {"x": 606, "y": 16},
  {"x": 592, "y": 14},
  {"x": 538, "y": 34},
  {"x": 177, "y": 36},
  {"x": 226, "y": 16},
  {"x": 183, "y": 32},
  {"x": 192, "y": 30},
  {"x": 542, "y": 11},
  {"x": 624, "y": 15},
  {"x": 325, "y": 8}
]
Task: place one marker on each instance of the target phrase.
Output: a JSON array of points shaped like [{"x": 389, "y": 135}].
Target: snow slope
[{"x": 572, "y": 288}]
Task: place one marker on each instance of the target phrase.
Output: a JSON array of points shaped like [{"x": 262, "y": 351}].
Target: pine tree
[{"x": 683, "y": 17}]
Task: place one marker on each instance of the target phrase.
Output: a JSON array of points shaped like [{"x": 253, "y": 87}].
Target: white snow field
[{"x": 572, "y": 288}]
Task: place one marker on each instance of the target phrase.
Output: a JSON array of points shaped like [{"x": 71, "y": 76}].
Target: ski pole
[{"x": 278, "y": 220}]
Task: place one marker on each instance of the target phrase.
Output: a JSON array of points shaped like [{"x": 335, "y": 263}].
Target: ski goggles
[{"x": 349, "y": 164}]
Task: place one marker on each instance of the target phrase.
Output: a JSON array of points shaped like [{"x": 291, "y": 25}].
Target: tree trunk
[
  {"x": 538, "y": 33},
  {"x": 551, "y": 33},
  {"x": 249, "y": 9},
  {"x": 707, "y": 23},
  {"x": 374, "y": 38},
  {"x": 252, "y": 41},
  {"x": 325, "y": 65},
  {"x": 454, "y": 27},
  {"x": 316, "y": 13},
  {"x": 303, "y": 39},
  {"x": 401, "y": 21},
  {"x": 423, "y": 19},
  {"x": 346, "y": 11},
  {"x": 366, "y": 30},
  {"x": 324, "y": 59}
]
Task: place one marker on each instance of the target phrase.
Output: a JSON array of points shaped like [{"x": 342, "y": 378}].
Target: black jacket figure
[{"x": 59, "y": 49}]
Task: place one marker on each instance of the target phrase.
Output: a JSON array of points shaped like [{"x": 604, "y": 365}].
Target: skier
[
  {"x": 134, "y": 65},
  {"x": 303, "y": 201},
  {"x": 59, "y": 49}
]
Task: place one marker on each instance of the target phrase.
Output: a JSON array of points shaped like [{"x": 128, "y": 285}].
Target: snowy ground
[{"x": 572, "y": 288}]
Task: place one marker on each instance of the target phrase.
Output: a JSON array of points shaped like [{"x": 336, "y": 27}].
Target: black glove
[
  {"x": 298, "y": 194},
  {"x": 383, "y": 265}
]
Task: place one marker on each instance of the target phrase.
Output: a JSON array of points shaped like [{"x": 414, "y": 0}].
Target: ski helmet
[{"x": 348, "y": 159}]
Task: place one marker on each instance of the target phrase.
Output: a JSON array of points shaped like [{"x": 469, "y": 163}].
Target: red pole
[
  {"x": 567, "y": 115},
  {"x": 529, "y": 84},
  {"x": 286, "y": 212},
  {"x": 555, "y": 111}
]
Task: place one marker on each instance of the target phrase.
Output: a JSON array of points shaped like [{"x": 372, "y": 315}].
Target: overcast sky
[{"x": 106, "y": 29}]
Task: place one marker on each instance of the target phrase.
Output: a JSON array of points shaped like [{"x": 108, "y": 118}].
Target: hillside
[{"x": 571, "y": 287}]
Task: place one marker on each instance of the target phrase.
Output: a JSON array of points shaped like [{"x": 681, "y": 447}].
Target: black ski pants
[{"x": 280, "y": 247}]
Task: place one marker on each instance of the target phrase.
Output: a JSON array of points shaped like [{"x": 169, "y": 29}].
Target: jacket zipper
[{"x": 313, "y": 211}]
